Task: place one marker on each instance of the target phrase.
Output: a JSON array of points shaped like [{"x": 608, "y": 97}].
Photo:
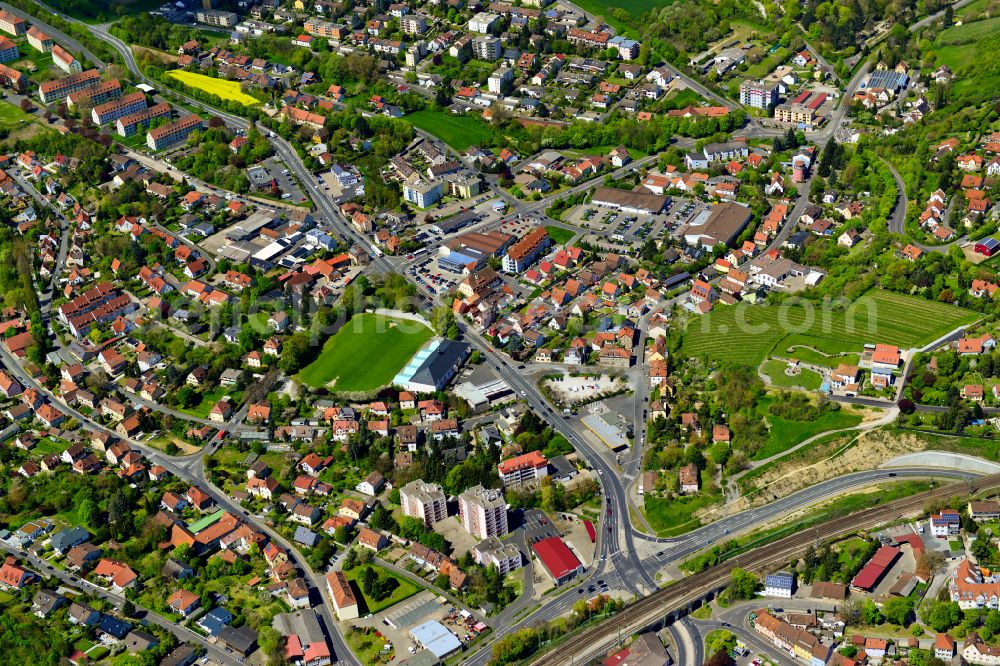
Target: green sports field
[
  {"x": 366, "y": 353},
  {"x": 221, "y": 88},
  {"x": 746, "y": 334},
  {"x": 459, "y": 132}
]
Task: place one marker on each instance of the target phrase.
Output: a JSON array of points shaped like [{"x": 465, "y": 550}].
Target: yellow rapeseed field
[{"x": 229, "y": 90}]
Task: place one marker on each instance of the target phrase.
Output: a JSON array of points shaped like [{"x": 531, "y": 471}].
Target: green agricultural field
[
  {"x": 969, "y": 32},
  {"x": 405, "y": 590},
  {"x": 227, "y": 90},
  {"x": 559, "y": 235},
  {"x": 366, "y": 353},
  {"x": 806, "y": 378},
  {"x": 746, "y": 334},
  {"x": 459, "y": 132},
  {"x": 958, "y": 47}
]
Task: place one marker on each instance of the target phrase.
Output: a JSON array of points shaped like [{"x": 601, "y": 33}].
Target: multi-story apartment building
[
  {"x": 39, "y": 40},
  {"x": 500, "y": 81},
  {"x": 109, "y": 112},
  {"x": 758, "y": 94},
  {"x": 105, "y": 91},
  {"x": 483, "y": 23},
  {"x": 65, "y": 60},
  {"x": 57, "y": 90},
  {"x": 425, "y": 501},
  {"x": 15, "y": 25},
  {"x": 523, "y": 469},
  {"x": 11, "y": 78},
  {"x": 320, "y": 28},
  {"x": 504, "y": 556},
  {"x": 487, "y": 48},
  {"x": 133, "y": 122},
  {"x": 413, "y": 24},
  {"x": 522, "y": 253},
  {"x": 8, "y": 50},
  {"x": 172, "y": 133},
  {"x": 798, "y": 114},
  {"x": 483, "y": 512},
  {"x": 422, "y": 193},
  {"x": 216, "y": 17}
]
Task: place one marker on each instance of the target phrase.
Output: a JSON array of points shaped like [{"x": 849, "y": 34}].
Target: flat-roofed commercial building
[
  {"x": 637, "y": 203},
  {"x": 470, "y": 252},
  {"x": 721, "y": 223}
]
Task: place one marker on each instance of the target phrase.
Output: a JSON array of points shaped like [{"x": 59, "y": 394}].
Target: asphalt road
[{"x": 897, "y": 220}]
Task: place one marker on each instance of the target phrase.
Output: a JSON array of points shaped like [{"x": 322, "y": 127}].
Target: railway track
[{"x": 658, "y": 606}]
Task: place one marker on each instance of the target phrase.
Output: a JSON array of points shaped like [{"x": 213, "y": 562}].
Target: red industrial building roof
[
  {"x": 916, "y": 543},
  {"x": 556, "y": 556},
  {"x": 877, "y": 566},
  {"x": 818, "y": 102},
  {"x": 803, "y": 96}
]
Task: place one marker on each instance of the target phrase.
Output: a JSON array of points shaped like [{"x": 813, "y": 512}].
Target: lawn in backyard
[
  {"x": 221, "y": 88},
  {"x": 559, "y": 235},
  {"x": 209, "y": 398},
  {"x": 746, "y": 334},
  {"x": 366, "y": 353},
  {"x": 366, "y": 645},
  {"x": 405, "y": 590},
  {"x": 806, "y": 378},
  {"x": 459, "y": 132}
]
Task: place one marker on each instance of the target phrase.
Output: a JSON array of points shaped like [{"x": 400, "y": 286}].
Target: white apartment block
[
  {"x": 425, "y": 501},
  {"x": 504, "y": 556},
  {"x": 483, "y": 512}
]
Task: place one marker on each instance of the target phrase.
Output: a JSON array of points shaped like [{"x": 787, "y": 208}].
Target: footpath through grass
[
  {"x": 366, "y": 353},
  {"x": 746, "y": 334},
  {"x": 784, "y": 434}
]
